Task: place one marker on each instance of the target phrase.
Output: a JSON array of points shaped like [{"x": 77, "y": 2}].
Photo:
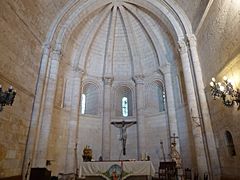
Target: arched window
[
  {"x": 125, "y": 107},
  {"x": 161, "y": 97},
  {"x": 123, "y": 102},
  {"x": 83, "y": 104},
  {"x": 230, "y": 144},
  {"x": 156, "y": 98},
  {"x": 89, "y": 101}
]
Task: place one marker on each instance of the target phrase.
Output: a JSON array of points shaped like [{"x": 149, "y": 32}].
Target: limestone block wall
[
  {"x": 90, "y": 130},
  {"x": 227, "y": 119},
  {"x": 219, "y": 49},
  {"x": 194, "y": 10},
  {"x": 24, "y": 25},
  {"x": 218, "y": 38},
  {"x": 155, "y": 131}
]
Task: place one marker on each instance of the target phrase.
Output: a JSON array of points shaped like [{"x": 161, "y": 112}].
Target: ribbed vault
[{"x": 120, "y": 40}]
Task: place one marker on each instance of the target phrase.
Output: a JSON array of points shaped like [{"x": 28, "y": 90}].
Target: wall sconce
[
  {"x": 226, "y": 92},
  {"x": 7, "y": 97}
]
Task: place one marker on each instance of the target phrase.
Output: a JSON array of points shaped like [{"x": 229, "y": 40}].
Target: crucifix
[
  {"x": 174, "y": 153},
  {"x": 174, "y": 137},
  {"x": 123, "y": 125}
]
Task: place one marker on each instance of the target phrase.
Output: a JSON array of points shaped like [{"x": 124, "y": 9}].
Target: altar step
[{"x": 129, "y": 178}]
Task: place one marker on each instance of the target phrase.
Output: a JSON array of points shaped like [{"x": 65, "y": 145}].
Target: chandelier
[
  {"x": 225, "y": 91},
  {"x": 6, "y": 97}
]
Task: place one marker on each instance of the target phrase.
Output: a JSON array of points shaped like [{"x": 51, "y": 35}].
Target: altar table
[{"x": 117, "y": 169}]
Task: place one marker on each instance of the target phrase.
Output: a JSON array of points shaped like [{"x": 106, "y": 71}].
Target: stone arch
[
  {"x": 166, "y": 10},
  {"x": 155, "y": 97},
  {"x": 120, "y": 91},
  {"x": 179, "y": 24},
  {"x": 230, "y": 143},
  {"x": 92, "y": 98}
]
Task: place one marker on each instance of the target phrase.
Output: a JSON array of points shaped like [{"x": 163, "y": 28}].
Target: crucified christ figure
[{"x": 123, "y": 125}]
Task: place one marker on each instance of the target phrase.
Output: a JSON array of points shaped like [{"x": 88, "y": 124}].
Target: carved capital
[
  {"x": 166, "y": 68},
  {"x": 139, "y": 79},
  {"x": 108, "y": 80},
  {"x": 182, "y": 46},
  {"x": 192, "y": 40},
  {"x": 46, "y": 49},
  {"x": 57, "y": 49},
  {"x": 79, "y": 72}
]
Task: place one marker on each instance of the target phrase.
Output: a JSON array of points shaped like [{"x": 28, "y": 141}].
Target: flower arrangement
[{"x": 87, "y": 154}]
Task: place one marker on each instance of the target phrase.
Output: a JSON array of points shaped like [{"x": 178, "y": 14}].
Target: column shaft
[
  {"x": 205, "y": 120},
  {"x": 46, "y": 115},
  {"x": 140, "y": 115},
  {"x": 193, "y": 108},
  {"x": 38, "y": 103},
  {"x": 172, "y": 118},
  {"x": 71, "y": 156},
  {"x": 106, "y": 142}
]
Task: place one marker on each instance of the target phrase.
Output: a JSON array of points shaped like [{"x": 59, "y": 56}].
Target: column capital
[
  {"x": 78, "y": 72},
  {"x": 192, "y": 39},
  {"x": 46, "y": 48},
  {"x": 182, "y": 46},
  {"x": 165, "y": 68},
  {"x": 139, "y": 79},
  {"x": 108, "y": 80},
  {"x": 58, "y": 48}
]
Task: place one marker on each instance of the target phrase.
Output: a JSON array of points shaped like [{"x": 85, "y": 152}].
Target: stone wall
[
  {"x": 219, "y": 49},
  {"x": 194, "y": 10},
  {"x": 218, "y": 38},
  {"x": 24, "y": 25}
]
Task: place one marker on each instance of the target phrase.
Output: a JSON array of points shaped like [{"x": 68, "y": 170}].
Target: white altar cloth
[{"x": 108, "y": 169}]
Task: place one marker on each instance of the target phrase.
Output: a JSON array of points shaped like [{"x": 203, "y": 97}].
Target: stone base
[{"x": 12, "y": 178}]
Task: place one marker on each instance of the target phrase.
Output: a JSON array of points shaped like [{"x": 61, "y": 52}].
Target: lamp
[
  {"x": 226, "y": 92},
  {"x": 7, "y": 97}
]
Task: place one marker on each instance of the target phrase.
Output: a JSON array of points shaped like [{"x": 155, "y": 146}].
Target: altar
[{"x": 117, "y": 170}]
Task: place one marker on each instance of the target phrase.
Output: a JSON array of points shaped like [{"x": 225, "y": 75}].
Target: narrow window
[
  {"x": 161, "y": 98},
  {"x": 230, "y": 144},
  {"x": 125, "y": 106},
  {"x": 83, "y": 103}
]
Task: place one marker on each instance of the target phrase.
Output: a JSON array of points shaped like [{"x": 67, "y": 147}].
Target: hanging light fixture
[
  {"x": 6, "y": 97},
  {"x": 225, "y": 91}
]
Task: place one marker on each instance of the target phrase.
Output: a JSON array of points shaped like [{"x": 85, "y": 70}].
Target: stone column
[
  {"x": 139, "y": 83},
  {"x": 202, "y": 165},
  {"x": 106, "y": 139},
  {"x": 206, "y": 120},
  {"x": 38, "y": 103},
  {"x": 46, "y": 114},
  {"x": 71, "y": 156},
  {"x": 172, "y": 118}
]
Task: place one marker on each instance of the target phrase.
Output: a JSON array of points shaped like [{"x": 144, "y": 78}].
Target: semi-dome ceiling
[{"x": 121, "y": 40}]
